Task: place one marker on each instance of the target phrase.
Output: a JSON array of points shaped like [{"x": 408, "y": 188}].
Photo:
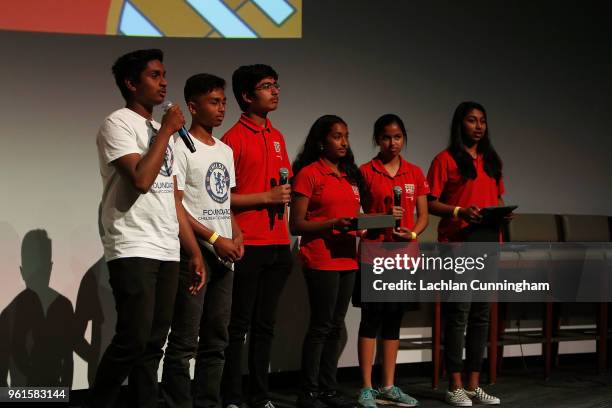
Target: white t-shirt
[
  {"x": 135, "y": 224},
  {"x": 206, "y": 178}
]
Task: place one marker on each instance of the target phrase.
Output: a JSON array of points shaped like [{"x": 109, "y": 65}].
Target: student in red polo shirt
[
  {"x": 464, "y": 178},
  {"x": 259, "y": 205},
  {"x": 326, "y": 194},
  {"x": 381, "y": 174}
]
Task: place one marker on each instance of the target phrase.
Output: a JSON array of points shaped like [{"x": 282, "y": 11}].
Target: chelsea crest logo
[{"x": 217, "y": 182}]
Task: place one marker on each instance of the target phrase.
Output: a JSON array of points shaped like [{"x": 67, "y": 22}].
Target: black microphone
[
  {"x": 397, "y": 202},
  {"x": 283, "y": 175},
  {"x": 183, "y": 133}
]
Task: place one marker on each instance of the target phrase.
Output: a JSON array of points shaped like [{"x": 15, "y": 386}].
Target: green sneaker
[
  {"x": 395, "y": 396},
  {"x": 367, "y": 398}
]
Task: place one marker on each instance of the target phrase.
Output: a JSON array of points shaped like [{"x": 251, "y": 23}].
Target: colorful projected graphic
[{"x": 157, "y": 18}]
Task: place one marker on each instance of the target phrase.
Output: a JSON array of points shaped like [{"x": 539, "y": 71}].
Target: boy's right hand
[
  {"x": 226, "y": 249},
  {"x": 280, "y": 194},
  {"x": 173, "y": 119}
]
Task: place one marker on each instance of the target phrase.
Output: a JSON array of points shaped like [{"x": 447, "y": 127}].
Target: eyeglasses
[{"x": 267, "y": 86}]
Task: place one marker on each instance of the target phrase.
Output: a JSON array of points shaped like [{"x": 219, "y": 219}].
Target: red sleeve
[
  {"x": 304, "y": 183},
  {"x": 437, "y": 176}
]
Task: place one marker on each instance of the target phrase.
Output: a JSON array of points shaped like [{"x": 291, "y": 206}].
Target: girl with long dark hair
[
  {"x": 326, "y": 195},
  {"x": 464, "y": 178},
  {"x": 386, "y": 171}
]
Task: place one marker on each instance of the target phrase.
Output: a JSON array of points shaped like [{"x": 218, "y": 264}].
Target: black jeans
[
  {"x": 259, "y": 278},
  {"x": 329, "y": 294},
  {"x": 205, "y": 315},
  {"x": 144, "y": 291},
  {"x": 476, "y": 316}
]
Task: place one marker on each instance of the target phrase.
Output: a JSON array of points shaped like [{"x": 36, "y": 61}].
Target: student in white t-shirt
[
  {"x": 141, "y": 226},
  {"x": 204, "y": 182}
]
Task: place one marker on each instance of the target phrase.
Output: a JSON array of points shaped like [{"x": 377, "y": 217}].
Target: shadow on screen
[{"x": 37, "y": 327}]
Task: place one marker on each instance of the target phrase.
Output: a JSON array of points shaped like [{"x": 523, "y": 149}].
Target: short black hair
[
  {"x": 130, "y": 66},
  {"x": 201, "y": 84},
  {"x": 246, "y": 78}
]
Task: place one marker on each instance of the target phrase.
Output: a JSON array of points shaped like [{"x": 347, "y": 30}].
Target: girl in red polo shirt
[
  {"x": 326, "y": 195},
  {"x": 464, "y": 178},
  {"x": 381, "y": 174}
]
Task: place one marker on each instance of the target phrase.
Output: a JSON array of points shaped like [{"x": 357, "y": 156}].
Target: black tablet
[{"x": 495, "y": 214}]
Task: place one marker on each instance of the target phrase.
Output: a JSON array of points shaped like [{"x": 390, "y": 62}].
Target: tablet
[
  {"x": 495, "y": 214},
  {"x": 373, "y": 221}
]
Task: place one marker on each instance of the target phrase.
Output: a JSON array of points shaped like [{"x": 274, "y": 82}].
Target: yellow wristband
[
  {"x": 213, "y": 238},
  {"x": 413, "y": 235},
  {"x": 456, "y": 212}
]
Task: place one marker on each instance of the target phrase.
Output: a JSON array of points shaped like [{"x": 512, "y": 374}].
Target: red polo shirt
[
  {"x": 447, "y": 184},
  {"x": 379, "y": 184},
  {"x": 330, "y": 196},
  {"x": 259, "y": 153}
]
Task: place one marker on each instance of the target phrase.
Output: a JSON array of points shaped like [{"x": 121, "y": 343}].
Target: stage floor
[{"x": 576, "y": 386}]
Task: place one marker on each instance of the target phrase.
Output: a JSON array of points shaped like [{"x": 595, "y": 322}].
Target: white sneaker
[
  {"x": 481, "y": 397},
  {"x": 458, "y": 398}
]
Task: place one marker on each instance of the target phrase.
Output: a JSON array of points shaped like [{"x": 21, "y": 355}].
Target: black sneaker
[
  {"x": 310, "y": 400},
  {"x": 334, "y": 399}
]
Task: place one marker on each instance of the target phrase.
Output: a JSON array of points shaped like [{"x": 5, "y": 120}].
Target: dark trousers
[
  {"x": 259, "y": 278},
  {"x": 329, "y": 294},
  {"x": 476, "y": 316},
  {"x": 144, "y": 291},
  {"x": 204, "y": 315}
]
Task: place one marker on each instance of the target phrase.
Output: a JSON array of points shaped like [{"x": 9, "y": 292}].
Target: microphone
[
  {"x": 182, "y": 131},
  {"x": 397, "y": 202},
  {"x": 283, "y": 175}
]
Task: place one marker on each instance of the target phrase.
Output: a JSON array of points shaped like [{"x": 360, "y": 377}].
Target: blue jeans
[{"x": 205, "y": 315}]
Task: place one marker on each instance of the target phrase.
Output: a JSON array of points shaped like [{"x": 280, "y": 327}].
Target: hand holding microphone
[
  {"x": 280, "y": 194},
  {"x": 173, "y": 118},
  {"x": 283, "y": 177},
  {"x": 398, "y": 211}
]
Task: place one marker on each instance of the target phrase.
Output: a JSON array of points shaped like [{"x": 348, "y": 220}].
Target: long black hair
[
  {"x": 311, "y": 151},
  {"x": 492, "y": 162}
]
